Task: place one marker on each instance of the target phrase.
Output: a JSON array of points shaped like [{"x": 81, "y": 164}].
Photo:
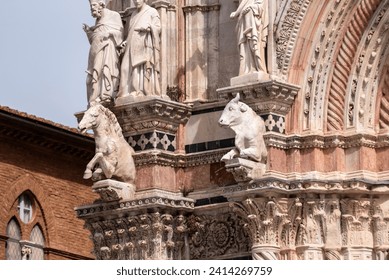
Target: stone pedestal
[
  {"x": 245, "y": 170},
  {"x": 111, "y": 190},
  {"x": 248, "y": 79}
]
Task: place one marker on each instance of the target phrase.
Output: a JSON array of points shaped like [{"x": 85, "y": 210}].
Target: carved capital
[
  {"x": 356, "y": 221},
  {"x": 264, "y": 219},
  {"x": 152, "y": 236}
]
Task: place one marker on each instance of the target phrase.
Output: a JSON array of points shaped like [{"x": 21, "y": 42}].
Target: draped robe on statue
[
  {"x": 103, "y": 64},
  {"x": 140, "y": 65},
  {"x": 252, "y": 31}
]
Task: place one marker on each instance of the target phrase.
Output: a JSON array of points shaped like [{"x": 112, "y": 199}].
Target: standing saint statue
[
  {"x": 103, "y": 65},
  {"x": 252, "y": 31},
  {"x": 140, "y": 65}
]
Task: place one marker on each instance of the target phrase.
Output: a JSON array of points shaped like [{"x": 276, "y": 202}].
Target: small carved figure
[
  {"x": 113, "y": 158},
  {"x": 252, "y": 31},
  {"x": 140, "y": 64},
  {"x": 103, "y": 65},
  {"x": 249, "y": 129}
]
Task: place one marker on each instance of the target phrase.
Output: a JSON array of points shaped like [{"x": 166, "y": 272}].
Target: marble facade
[{"x": 323, "y": 192}]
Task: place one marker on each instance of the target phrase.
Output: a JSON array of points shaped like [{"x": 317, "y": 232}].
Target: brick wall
[{"x": 55, "y": 182}]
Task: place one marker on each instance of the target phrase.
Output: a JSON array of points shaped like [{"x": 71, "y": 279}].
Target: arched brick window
[
  {"x": 13, "y": 249},
  {"x": 25, "y": 237}
]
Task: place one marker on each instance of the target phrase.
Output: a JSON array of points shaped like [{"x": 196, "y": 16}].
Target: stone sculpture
[
  {"x": 249, "y": 129},
  {"x": 140, "y": 64},
  {"x": 252, "y": 31},
  {"x": 113, "y": 158},
  {"x": 103, "y": 65}
]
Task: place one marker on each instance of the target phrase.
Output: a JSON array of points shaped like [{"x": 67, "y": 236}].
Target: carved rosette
[
  {"x": 271, "y": 99},
  {"x": 217, "y": 237},
  {"x": 151, "y": 124}
]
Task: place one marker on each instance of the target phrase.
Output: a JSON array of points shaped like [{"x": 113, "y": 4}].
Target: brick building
[{"x": 41, "y": 165}]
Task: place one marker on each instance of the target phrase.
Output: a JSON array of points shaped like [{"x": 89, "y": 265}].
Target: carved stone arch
[
  {"x": 312, "y": 65},
  {"x": 368, "y": 70},
  {"x": 288, "y": 22},
  {"x": 345, "y": 58},
  {"x": 28, "y": 183}
]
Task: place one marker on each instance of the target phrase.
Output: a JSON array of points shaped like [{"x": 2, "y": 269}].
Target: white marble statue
[
  {"x": 113, "y": 158},
  {"x": 249, "y": 129},
  {"x": 252, "y": 31},
  {"x": 140, "y": 65},
  {"x": 103, "y": 65}
]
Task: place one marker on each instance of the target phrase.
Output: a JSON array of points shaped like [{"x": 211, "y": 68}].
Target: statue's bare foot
[{"x": 97, "y": 174}]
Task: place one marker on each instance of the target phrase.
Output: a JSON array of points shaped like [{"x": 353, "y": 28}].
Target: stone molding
[
  {"x": 156, "y": 199},
  {"x": 201, "y": 8},
  {"x": 268, "y": 97},
  {"x": 357, "y": 182},
  {"x": 326, "y": 141}
]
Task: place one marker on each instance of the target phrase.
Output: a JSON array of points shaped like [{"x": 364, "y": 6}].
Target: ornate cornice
[
  {"x": 178, "y": 160},
  {"x": 142, "y": 202},
  {"x": 358, "y": 182},
  {"x": 266, "y": 97},
  {"x": 151, "y": 114}
]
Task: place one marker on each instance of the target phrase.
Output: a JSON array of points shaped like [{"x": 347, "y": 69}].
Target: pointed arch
[
  {"x": 13, "y": 249},
  {"x": 29, "y": 183}
]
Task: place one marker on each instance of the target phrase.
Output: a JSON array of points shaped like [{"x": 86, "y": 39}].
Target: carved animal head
[
  {"x": 90, "y": 118},
  {"x": 232, "y": 113},
  {"x": 97, "y": 114}
]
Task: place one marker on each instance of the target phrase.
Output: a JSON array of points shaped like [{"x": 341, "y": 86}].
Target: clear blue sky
[{"x": 43, "y": 57}]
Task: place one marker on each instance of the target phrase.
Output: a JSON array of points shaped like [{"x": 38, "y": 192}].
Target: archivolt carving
[
  {"x": 288, "y": 20},
  {"x": 344, "y": 62},
  {"x": 384, "y": 107}
]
